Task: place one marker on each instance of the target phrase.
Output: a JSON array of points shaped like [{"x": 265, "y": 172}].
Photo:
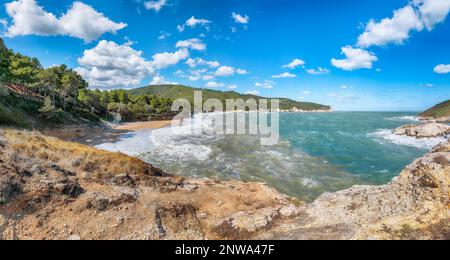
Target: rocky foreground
[
  {"x": 50, "y": 189},
  {"x": 425, "y": 130}
]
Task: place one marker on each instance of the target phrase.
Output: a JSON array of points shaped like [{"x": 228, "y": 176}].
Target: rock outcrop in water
[
  {"x": 424, "y": 130},
  {"x": 51, "y": 189}
]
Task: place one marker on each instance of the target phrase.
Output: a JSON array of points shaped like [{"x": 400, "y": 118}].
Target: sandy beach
[
  {"x": 135, "y": 126},
  {"x": 97, "y": 134}
]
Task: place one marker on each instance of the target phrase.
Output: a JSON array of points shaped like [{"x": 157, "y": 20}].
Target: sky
[{"x": 372, "y": 55}]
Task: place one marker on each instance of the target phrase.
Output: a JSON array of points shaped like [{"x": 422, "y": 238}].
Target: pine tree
[
  {"x": 48, "y": 109},
  {"x": 4, "y": 62}
]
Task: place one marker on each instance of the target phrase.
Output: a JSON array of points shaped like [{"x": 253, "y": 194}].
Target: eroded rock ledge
[
  {"x": 424, "y": 130},
  {"x": 51, "y": 189}
]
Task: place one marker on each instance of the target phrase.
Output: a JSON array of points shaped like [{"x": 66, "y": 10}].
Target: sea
[{"x": 316, "y": 152}]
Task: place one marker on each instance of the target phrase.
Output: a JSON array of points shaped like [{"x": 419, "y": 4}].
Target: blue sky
[{"x": 391, "y": 64}]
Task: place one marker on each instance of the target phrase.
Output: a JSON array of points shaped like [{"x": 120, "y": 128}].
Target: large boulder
[{"x": 424, "y": 130}]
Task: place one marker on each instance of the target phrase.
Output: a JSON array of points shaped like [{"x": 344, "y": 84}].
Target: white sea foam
[
  {"x": 386, "y": 135},
  {"x": 183, "y": 152},
  {"x": 184, "y": 142},
  {"x": 308, "y": 182},
  {"x": 132, "y": 144},
  {"x": 404, "y": 118}
]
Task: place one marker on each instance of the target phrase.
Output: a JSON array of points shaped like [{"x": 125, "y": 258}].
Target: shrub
[
  {"x": 3, "y": 91},
  {"x": 12, "y": 117}
]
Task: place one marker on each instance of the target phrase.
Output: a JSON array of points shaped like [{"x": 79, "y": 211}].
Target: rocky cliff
[{"x": 50, "y": 189}]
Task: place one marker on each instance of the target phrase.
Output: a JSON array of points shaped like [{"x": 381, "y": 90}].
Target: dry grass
[{"x": 101, "y": 164}]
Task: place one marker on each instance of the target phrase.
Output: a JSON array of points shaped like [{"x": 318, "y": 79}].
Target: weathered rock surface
[
  {"x": 415, "y": 205},
  {"x": 55, "y": 190},
  {"x": 424, "y": 130}
]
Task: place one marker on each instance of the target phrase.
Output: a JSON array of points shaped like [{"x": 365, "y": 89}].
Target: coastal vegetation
[
  {"x": 441, "y": 110},
  {"x": 184, "y": 92}
]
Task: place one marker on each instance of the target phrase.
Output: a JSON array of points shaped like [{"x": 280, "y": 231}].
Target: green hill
[
  {"x": 178, "y": 92},
  {"x": 441, "y": 110}
]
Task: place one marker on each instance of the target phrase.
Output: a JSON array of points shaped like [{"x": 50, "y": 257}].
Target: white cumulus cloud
[
  {"x": 227, "y": 71},
  {"x": 433, "y": 11},
  {"x": 294, "y": 64},
  {"x": 415, "y": 16},
  {"x": 194, "y": 22},
  {"x": 213, "y": 84},
  {"x": 267, "y": 84},
  {"x": 197, "y": 74},
  {"x": 163, "y": 35},
  {"x": 201, "y": 62},
  {"x": 241, "y": 72},
  {"x": 109, "y": 65},
  {"x": 391, "y": 30},
  {"x": 81, "y": 21},
  {"x": 4, "y": 23},
  {"x": 355, "y": 59},
  {"x": 207, "y": 77},
  {"x": 155, "y": 5},
  {"x": 318, "y": 71},
  {"x": 284, "y": 75},
  {"x": 442, "y": 69},
  {"x": 242, "y": 19},
  {"x": 194, "y": 44},
  {"x": 167, "y": 59}
]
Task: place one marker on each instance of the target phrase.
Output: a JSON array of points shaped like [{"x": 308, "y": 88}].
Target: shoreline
[
  {"x": 136, "y": 126},
  {"x": 105, "y": 132}
]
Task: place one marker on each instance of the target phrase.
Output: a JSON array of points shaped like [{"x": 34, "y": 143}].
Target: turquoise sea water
[
  {"x": 353, "y": 141},
  {"x": 317, "y": 153}
]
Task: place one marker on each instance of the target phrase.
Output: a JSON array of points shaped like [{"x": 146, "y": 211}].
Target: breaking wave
[
  {"x": 386, "y": 135},
  {"x": 404, "y": 119}
]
